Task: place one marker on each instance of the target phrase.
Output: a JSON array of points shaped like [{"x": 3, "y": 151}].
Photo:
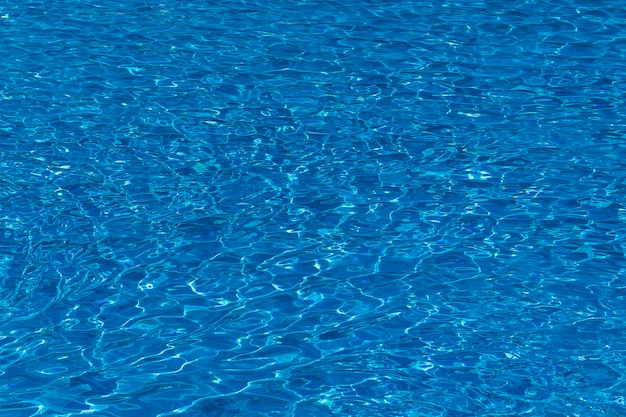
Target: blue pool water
[{"x": 313, "y": 208}]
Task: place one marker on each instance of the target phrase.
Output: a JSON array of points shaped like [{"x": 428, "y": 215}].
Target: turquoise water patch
[{"x": 312, "y": 208}]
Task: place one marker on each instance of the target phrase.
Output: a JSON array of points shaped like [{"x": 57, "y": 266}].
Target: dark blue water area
[{"x": 313, "y": 208}]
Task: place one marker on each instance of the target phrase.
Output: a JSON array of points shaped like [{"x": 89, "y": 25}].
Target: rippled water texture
[{"x": 312, "y": 208}]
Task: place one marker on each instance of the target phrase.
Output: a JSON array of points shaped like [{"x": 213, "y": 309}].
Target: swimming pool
[{"x": 312, "y": 208}]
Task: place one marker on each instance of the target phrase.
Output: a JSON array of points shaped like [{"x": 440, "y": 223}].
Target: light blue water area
[{"x": 312, "y": 208}]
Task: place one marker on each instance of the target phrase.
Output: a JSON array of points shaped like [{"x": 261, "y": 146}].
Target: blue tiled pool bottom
[{"x": 312, "y": 208}]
